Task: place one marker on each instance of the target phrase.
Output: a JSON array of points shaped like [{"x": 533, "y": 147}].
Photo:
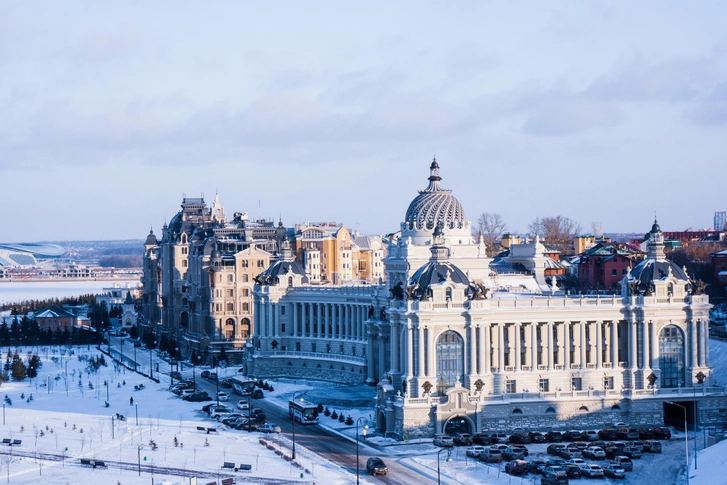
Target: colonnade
[{"x": 338, "y": 321}]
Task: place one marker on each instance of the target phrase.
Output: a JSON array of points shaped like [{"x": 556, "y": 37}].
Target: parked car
[
  {"x": 521, "y": 449},
  {"x": 537, "y": 465},
  {"x": 462, "y": 439},
  {"x": 257, "y": 413},
  {"x": 186, "y": 392},
  {"x": 646, "y": 434},
  {"x": 243, "y": 404},
  {"x": 443, "y": 440},
  {"x": 579, "y": 462},
  {"x": 223, "y": 395},
  {"x": 491, "y": 455},
  {"x": 212, "y": 376},
  {"x": 633, "y": 452},
  {"x": 499, "y": 438},
  {"x": 229, "y": 419},
  {"x": 516, "y": 467},
  {"x": 592, "y": 471},
  {"x": 614, "y": 471},
  {"x": 520, "y": 438},
  {"x": 475, "y": 450},
  {"x": 205, "y": 374},
  {"x": 571, "y": 452},
  {"x": 608, "y": 434},
  {"x": 226, "y": 383},
  {"x": 481, "y": 439},
  {"x": 554, "y": 478},
  {"x": 269, "y": 428},
  {"x": 200, "y": 396},
  {"x": 624, "y": 461},
  {"x": 652, "y": 446},
  {"x": 175, "y": 374},
  {"x": 555, "y": 449},
  {"x": 589, "y": 435},
  {"x": 594, "y": 453},
  {"x": 553, "y": 436},
  {"x": 376, "y": 466},
  {"x": 257, "y": 394},
  {"x": 510, "y": 454},
  {"x": 661, "y": 433},
  {"x": 216, "y": 410},
  {"x": 536, "y": 437},
  {"x": 573, "y": 471},
  {"x": 572, "y": 435},
  {"x": 627, "y": 434}
]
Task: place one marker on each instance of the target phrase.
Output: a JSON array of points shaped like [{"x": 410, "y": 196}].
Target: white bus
[
  {"x": 303, "y": 412},
  {"x": 242, "y": 385}
]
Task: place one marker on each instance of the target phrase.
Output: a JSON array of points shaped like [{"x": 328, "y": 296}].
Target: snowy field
[{"x": 67, "y": 421}]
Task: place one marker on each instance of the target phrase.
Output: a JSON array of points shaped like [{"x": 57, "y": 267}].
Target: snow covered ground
[{"x": 63, "y": 424}]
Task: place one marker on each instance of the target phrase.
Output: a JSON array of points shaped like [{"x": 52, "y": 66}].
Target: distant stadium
[{"x": 28, "y": 255}]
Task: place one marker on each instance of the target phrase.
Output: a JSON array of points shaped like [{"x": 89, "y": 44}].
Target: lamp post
[
  {"x": 448, "y": 455},
  {"x": 121, "y": 350},
  {"x": 134, "y": 356},
  {"x": 106, "y": 383},
  {"x": 686, "y": 436},
  {"x": 293, "y": 416},
  {"x": 364, "y": 433},
  {"x": 136, "y": 410},
  {"x": 151, "y": 360},
  {"x": 138, "y": 456},
  {"x": 112, "y": 426}
]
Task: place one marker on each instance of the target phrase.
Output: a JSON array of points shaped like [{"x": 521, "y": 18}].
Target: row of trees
[
  {"x": 557, "y": 231},
  {"x": 18, "y": 370},
  {"x": 26, "y": 306},
  {"x": 26, "y": 331}
]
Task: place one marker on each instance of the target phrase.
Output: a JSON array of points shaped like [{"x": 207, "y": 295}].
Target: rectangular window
[
  {"x": 576, "y": 384},
  {"x": 624, "y": 271},
  {"x": 282, "y": 310},
  {"x": 608, "y": 382},
  {"x": 511, "y": 387},
  {"x": 297, "y": 346},
  {"x": 613, "y": 272},
  {"x": 313, "y": 347},
  {"x": 260, "y": 263},
  {"x": 544, "y": 385},
  {"x": 230, "y": 293}
]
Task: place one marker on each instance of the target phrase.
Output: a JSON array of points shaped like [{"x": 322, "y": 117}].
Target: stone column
[
  {"x": 706, "y": 343},
  {"x": 693, "y": 340},
  {"x": 645, "y": 347},
  {"x": 582, "y": 332},
  {"x": 527, "y": 334},
  {"x": 599, "y": 344},
  {"x": 534, "y": 344},
  {"x": 500, "y": 347},
  {"x": 294, "y": 320},
  {"x": 703, "y": 343},
  {"x": 472, "y": 346},
  {"x": 633, "y": 363},
  {"x": 613, "y": 346},
  {"x": 550, "y": 345},
  {"x": 560, "y": 333},
  {"x": 566, "y": 345},
  {"x": 394, "y": 347},
  {"x": 276, "y": 326},
  {"x": 382, "y": 353},
  {"x": 421, "y": 370},
  {"x": 516, "y": 346},
  {"x": 409, "y": 350},
  {"x": 486, "y": 352},
  {"x": 654, "y": 347}
]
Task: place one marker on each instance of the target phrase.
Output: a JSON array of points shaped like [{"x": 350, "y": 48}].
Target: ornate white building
[{"x": 457, "y": 341}]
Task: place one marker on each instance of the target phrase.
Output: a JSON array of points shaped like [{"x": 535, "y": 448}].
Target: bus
[
  {"x": 242, "y": 385},
  {"x": 303, "y": 412}
]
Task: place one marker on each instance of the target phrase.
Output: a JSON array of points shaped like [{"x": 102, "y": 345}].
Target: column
[
  {"x": 706, "y": 342},
  {"x": 382, "y": 354},
  {"x": 295, "y": 318},
  {"x": 527, "y": 334},
  {"x": 645, "y": 347},
  {"x": 703, "y": 343},
  {"x": 276, "y": 329},
  {"x": 613, "y": 346},
  {"x": 560, "y": 332},
  {"x": 550, "y": 345},
  {"x": 480, "y": 349},
  {"x": 420, "y": 332},
  {"x": 566, "y": 345},
  {"x": 534, "y": 344},
  {"x": 394, "y": 347},
  {"x": 654, "y": 347},
  {"x": 500, "y": 347},
  {"x": 633, "y": 364},
  {"x": 485, "y": 330},
  {"x": 582, "y": 333},
  {"x": 516, "y": 360},
  {"x": 693, "y": 341},
  {"x": 409, "y": 350},
  {"x": 599, "y": 344}
]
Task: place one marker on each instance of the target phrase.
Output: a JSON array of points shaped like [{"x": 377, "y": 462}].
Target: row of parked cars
[
  {"x": 244, "y": 418},
  {"x": 523, "y": 438}
]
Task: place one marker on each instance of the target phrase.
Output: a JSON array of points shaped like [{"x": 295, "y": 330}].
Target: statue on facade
[
  {"x": 371, "y": 311},
  {"x": 479, "y": 385},
  {"x": 397, "y": 292},
  {"x": 698, "y": 287},
  {"x": 700, "y": 377},
  {"x": 652, "y": 379},
  {"x": 477, "y": 291},
  {"x": 427, "y": 386},
  {"x": 382, "y": 314}
]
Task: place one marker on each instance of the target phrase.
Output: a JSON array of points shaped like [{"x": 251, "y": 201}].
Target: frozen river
[{"x": 40, "y": 290}]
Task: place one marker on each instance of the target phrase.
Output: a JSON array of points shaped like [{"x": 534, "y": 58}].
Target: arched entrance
[
  {"x": 671, "y": 356},
  {"x": 184, "y": 321},
  {"x": 457, "y": 424},
  {"x": 230, "y": 328},
  {"x": 450, "y": 360},
  {"x": 381, "y": 422}
]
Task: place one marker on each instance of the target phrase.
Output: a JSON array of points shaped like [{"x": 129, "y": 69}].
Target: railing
[{"x": 314, "y": 355}]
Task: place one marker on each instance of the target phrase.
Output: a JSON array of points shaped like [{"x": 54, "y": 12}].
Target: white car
[
  {"x": 186, "y": 392},
  {"x": 474, "y": 451},
  {"x": 443, "y": 440},
  {"x": 244, "y": 405},
  {"x": 269, "y": 428},
  {"x": 223, "y": 395}
]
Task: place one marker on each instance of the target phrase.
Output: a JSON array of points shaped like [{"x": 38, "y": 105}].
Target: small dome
[
  {"x": 151, "y": 239},
  {"x": 436, "y": 272},
  {"x": 655, "y": 269},
  {"x": 655, "y": 228},
  {"x": 435, "y": 205},
  {"x": 280, "y": 269},
  {"x": 215, "y": 254}
]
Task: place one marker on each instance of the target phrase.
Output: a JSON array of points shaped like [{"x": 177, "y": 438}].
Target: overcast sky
[{"x": 599, "y": 111}]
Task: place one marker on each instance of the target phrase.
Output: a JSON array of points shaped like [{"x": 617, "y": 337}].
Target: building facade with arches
[{"x": 456, "y": 341}]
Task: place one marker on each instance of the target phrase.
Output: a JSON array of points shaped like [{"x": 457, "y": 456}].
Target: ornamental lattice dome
[{"x": 434, "y": 205}]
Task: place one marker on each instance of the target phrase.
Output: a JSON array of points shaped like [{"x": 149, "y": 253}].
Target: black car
[
  {"x": 537, "y": 465},
  {"x": 481, "y": 439},
  {"x": 257, "y": 413},
  {"x": 205, "y": 374},
  {"x": 175, "y": 374},
  {"x": 257, "y": 394},
  {"x": 607, "y": 434},
  {"x": 462, "y": 439},
  {"x": 536, "y": 437},
  {"x": 573, "y": 471},
  {"x": 198, "y": 397},
  {"x": 554, "y": 436},
  {"x": 376, "y": 466},
  {"x": 520, "y": 438},
  {"x": 661, "y": 433}
]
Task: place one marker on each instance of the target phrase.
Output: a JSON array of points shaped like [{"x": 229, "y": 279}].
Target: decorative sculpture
[
  {"x": 397, "y": 292},
  {"x": 652, "y": 379},
  {"x": 427, "y": 386},
  {"x": 700, "y": 377},
  {"x": 479, "y": 385},
  {"x": 382, "y": 314}
]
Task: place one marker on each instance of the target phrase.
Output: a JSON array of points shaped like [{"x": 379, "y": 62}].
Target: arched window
[
  {"x": 671, "y": 356},
  {"x": 450, "y": 360},
  {"x": 449, "y": 294},
  {"x": 244, "y": 278},
  {"x": 245, "y": 292},
  {"x": 550, "y": 410},
  {"x": 517, "y": 411},
  {"x": 290, "y": 281},
  {"x": 230, "y": 278},
  {"x": 583, "y": 409},
  {"x": 616, "y": 407}
]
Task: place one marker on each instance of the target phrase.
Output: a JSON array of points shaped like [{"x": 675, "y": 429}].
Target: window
[
  {"x": 297, "y": 346},
  {"x": 244, "y": 278},
  {"x": 230, "y": 307},
  {"x": 230, "y": 278},
  {"x": 244, "y": 263},
  {"x": 245, "y": 307},
  {"x": 313, "y": 347},
  {"x": 624, "y": 271},
  {"x": 185, "y": 250},
  {"x": 510, "y": 386},
  {"x": 544, "y": 385},
  {"x": 613, "y": 272},
  {"x": 450, "y": 360},
  {"x": 282, "y": 310},
  {"x": 184, "y": 263},
  {"x": 608, "y": 382},
  {"x": 245, "y": 292},
  {"x": 260, "y": 263},
  {"x": 231, "y": 293},
  {"x": 576, "y": 384},
  {"x": 671, "y": 357}
]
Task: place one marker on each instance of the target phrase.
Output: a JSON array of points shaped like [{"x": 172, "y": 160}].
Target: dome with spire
[
  {"x": 656, "y": 266},
  {"x": 434, "y": 205},
  {"x": 151, "y": 239}
]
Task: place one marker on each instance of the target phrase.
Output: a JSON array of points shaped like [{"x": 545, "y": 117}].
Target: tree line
[{"x": 556, "y": 231}]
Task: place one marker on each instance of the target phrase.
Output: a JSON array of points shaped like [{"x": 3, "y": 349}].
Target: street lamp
[
  {"x": 449, "y": 458},
  {"x": 364, "y": 433},
  {"x": 293, "y": 454},
  {"x": 138, "y": 456},
  {"x": 134, "y": 356},
  {"x": 686, "y": 436},
  {"x": 136, "y": 409},
  {"x": 151, "y": 360},
  {"x": 112, "y": 426}
]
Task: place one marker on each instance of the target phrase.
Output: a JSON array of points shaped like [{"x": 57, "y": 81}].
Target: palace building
[{"x": 456, "y": 341}]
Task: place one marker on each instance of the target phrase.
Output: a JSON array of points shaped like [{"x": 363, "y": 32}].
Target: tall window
[
  {"x": 671, "y": 356},
  {"x": 450, "y": 360}
]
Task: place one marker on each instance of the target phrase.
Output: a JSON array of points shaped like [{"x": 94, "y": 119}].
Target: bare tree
[
  {"x": 557, "y": 231},
  {"x": 490, "y": 226}
]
